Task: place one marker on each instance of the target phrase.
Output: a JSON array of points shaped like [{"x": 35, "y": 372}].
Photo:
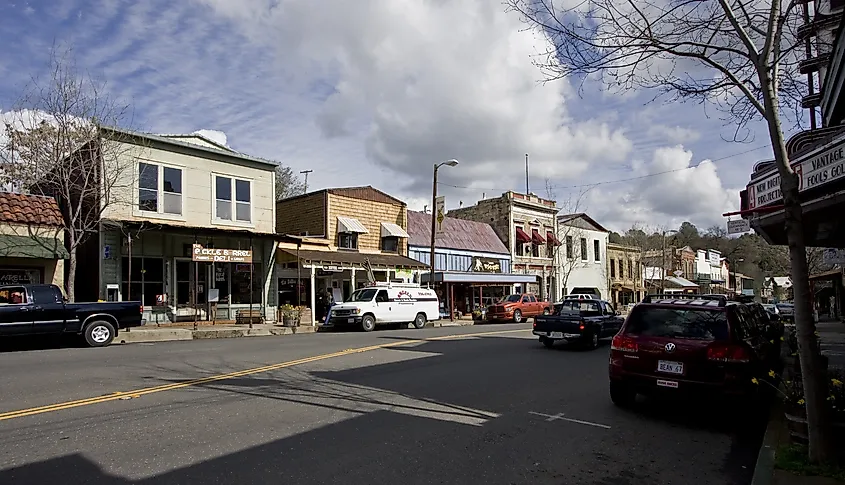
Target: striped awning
[{"x": 349, "y": 224}]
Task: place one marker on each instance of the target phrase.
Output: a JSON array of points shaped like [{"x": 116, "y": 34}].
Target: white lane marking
[{"x": 571, "y": 420}]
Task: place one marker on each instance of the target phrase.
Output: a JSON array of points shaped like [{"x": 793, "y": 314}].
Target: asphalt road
[{"x": 488, "y": 409}]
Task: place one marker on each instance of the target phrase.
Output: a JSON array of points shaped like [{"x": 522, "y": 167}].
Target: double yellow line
[{"x": 20, "y": 413}]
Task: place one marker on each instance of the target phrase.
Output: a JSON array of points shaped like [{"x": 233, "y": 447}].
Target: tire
[
  {"x": 99, "y": 333},
  {"x": 368, "y": 323},
  {"x": 420, "y": 320},
  {"x": 547, "y": 342},
  {"x": 622, "y": 395},
  {"x": 593, "y": 342},
  {"x": 517, "y": 316},
  {"x": 546, "y": 311}
]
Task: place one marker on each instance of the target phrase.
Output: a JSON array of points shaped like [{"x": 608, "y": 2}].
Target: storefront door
[{"x": 188, "y": 274}]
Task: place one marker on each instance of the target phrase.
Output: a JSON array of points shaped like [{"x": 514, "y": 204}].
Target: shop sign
[
  {"x": 739, "y": 226},
  {"x": 212, "y": 255},
  {"x": 332, "y": 269},
  {"x": 486, "y": 265},
  {"x": 19, "y": 276}
]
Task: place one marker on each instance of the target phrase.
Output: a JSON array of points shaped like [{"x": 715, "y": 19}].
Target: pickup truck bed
[{"x": 571, "y": 324}]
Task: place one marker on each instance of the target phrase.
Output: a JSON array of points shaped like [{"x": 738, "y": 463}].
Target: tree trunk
[
  {"x": 71, "y": 274},
  {"x": 813, "y": 371}
]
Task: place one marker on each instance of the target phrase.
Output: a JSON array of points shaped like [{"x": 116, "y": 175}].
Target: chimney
[
  {"x": 460, "y": 204},
  {"x": 483, "y": 195}
]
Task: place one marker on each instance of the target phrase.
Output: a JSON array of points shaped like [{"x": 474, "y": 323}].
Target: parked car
[
  {"x": 43, "y": 309},
  {"x": 689, "y": 345},
  {"x": 578, "y": 320},
  {"x": 517, "y": 307},
  {"x": 786, "y": 310},
  {"x": 581, "y": 296},
  {"x": 386, "y": 303}
]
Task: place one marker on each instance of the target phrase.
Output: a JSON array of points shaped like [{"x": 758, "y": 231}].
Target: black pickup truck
[
  {"x": 584, "y": 321},
  {"x": 43, "y": 309}
]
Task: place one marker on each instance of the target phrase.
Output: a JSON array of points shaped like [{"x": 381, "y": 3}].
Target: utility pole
[
  {"x": 306, "y": 172},
  {"x": 526, "y": 174}
]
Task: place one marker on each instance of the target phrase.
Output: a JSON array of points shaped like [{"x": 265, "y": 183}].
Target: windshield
[
  {"x": 363, "y": 295},
  {"x": 511, "y": 299},
  {"x": 697, "y": 324},
  {"x": 770, "y": 307},
  {"x": 587, "y": 308},
  {"x": 784, "y": 306}
]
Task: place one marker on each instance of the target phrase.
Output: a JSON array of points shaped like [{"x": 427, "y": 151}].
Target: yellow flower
[
  {"x": 831, "y": 397},
  {"x": 781, "y": 339},
  {"x": 754, "y": 380},
  {"x": 771, "y": 373},
  {"x": 801, "y": 401},
  {"x": 836, "y": 382}
]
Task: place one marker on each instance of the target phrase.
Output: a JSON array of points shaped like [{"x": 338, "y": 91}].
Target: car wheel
[
  {"x": 368, "y": 323},
  {"x": 546, "y": 311},
  {"x": 622, "y": 395},
  {"x": 420, "y": 320},
  {"x": 517, "y": 316},
  {"x": 99, "y": 333},
  {"x": 549, "y": 343}
]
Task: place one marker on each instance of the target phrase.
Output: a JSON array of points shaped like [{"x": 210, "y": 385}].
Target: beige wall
[
  {"x": 31, "y": 230},
  {"x": 303, "y": 215},
  {"x": 197, "y": 188},
  {"x": 371, "y": 214}
]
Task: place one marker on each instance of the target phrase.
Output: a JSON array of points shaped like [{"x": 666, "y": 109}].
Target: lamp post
[
  {"x": 663, "y": 271},
  {"x": 732, "y": 275},
  {"x": 452, "y": 162}
]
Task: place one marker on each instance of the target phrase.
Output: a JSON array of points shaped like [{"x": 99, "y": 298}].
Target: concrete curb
[
  {"x": 447, "y": 323},
  {"x": 142, "y": 335},
  {"x": 765, "y": 468}
]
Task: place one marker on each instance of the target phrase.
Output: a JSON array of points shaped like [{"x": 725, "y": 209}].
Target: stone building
[
  {"x": 625, "y": 274},
  {"x": 527, "y": 225}
]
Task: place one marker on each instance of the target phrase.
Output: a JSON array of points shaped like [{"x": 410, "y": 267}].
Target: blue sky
[{"x": 375, "y": 92}]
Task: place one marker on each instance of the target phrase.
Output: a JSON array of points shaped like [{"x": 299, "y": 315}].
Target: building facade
[
  {"x": 625, "y": 272},
  {"x": 582, "y": 262},
  {"x": 32, "y": 244},
  {"x": 187, "y": 229},
  {"x": 350, "y": 233},
  {"x": 527, "y": 225},
  {"x": 472, "y": 265}
]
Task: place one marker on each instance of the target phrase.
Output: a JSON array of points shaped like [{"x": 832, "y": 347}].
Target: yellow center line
[{"x": 20, "y": 413}]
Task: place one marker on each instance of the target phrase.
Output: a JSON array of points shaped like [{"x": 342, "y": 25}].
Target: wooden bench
[{"x": 249, "y": 316}]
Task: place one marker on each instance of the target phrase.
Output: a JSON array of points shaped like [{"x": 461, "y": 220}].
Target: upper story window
[
  {"x": 347, "y": 240},
  {"x": 621, "y": 268},
  {"x": 159, "y": 189},
  {"x": 630, "y": 268},
  {"x": 519, "y": 247},
  {"x": 569, "y": 248},
  {"x": 584, "y": 255},
  {"x": 597, "y": 249},
  {"x": 227, "y": 209},
  {"x": 613, "y": 268},
  {"x": 390, "y": 244}
]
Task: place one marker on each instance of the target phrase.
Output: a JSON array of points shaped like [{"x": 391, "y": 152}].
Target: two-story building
[
  {"x": 188, "y": 228},
  {"x": 582, "y": 264},
  {"x": 349, "y": 233},
  {"x": 709, "y": 275},
  {"x": 472, "y": 265},
  {"x": 625, "y": 274},
  {"x": 32, "y": 248},
  {"x": 527, "y": 225}
]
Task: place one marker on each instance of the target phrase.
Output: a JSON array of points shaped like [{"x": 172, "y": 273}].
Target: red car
[{"x": 689, "y": 345}]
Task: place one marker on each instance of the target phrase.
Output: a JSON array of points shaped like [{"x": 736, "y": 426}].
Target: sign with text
[
  {"x": 439, "y": 214},
  {"x": 739, "y": 226},
  {"x": 486, "y": 265},
  {"x": 833, "y": 256},
  {"x": 213, "y": 255}
]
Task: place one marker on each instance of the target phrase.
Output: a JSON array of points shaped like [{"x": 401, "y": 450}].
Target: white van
[{"x": 386, "y": 303}]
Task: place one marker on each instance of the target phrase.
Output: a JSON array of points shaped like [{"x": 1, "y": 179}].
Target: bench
[
  {"x": 158, "y": 310},
  {"x": 249, "y": 316}
]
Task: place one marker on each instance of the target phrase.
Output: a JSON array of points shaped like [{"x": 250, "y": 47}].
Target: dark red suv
[{"x": 688, "y": 345}]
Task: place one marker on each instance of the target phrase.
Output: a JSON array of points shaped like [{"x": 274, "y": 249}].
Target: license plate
[
  {"x": 670, "y": 367},
  {"x": 556, "y": 335},
  {"x": 350, "y": 320},
  {"x": 664, "y": 383}
]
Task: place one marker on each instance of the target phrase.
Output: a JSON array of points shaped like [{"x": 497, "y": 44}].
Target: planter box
[{"x": 798, "y": 430}]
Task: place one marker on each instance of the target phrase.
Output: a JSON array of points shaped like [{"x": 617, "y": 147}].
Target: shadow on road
[
  {"x": 458, "y": 415},
  {"x": 39, "y": 342}
]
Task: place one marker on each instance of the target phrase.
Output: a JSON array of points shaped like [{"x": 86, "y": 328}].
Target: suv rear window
[{"x": 691, "y": 323}]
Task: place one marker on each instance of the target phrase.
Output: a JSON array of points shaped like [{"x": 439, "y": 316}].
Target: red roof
[
  {"x": 29, "y": 209},
  {"x": 458, "y": 234}
]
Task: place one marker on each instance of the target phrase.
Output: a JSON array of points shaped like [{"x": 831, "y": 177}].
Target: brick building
[
  {"x": 343, "y": 229},
  {"x": 527, "y": 225}
]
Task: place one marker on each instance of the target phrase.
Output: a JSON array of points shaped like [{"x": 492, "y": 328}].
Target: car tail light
[
  {"x": 729, "y": 353},
  {"x": 582, "y": 325},
  {"x": 142, "y": 308},
  {"x": 624, "y": 343}
]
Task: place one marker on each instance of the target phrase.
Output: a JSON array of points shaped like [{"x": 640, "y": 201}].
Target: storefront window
[
  {"x": 241, "y": 286},
  {"x": 19, "y": 276},
  {"x": 147, "y": 279},
  {"x": 221, "y": 281}
]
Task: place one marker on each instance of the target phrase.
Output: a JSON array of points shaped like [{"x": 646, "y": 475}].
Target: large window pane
[
  {"x": 224, "y": 210},
  {"x": 243, "y": 212},
  {"x": 241, "y": 284},
  {"x": 172, "y": 203},
  {"x": 242, "y": 190},
  {"x": 223, "y": 188},
  {"x": 148, "y": 200},
  {"x": 147, "y": 176},
  {"x": 172, "y": 180}
]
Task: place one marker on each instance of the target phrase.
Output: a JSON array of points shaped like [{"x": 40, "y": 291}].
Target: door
[
  {"x": 15, "y": 314},
  {"x": 384, "y": 312},
  {"x": 48, "y": 310},
  {"x": 613, "y": 322}
]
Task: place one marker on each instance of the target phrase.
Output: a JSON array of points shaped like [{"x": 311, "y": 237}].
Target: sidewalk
[{"x": 832, "y": 336}]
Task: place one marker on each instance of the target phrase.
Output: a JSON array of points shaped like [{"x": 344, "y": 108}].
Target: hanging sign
[
  {"x": 739, "y": 226},
  {"x": 213, "y": 255},
  {"x": 440, "y": 213}
]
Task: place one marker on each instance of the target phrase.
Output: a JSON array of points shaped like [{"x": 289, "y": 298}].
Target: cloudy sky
[{"x": 373, "y": 92}]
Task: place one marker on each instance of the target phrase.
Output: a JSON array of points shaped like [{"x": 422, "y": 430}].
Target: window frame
[
  {"x": 159, "y": 212},
  {"x": 585, "y": 254},
  {"x": 393, "y": 239},
  {"x": 612, "y": 268},
  {"x": 353, "y": 236},
  {"x": 570, "y": 248},
  {"x": 233, "y": 201},
  {"x": 597, "y": 250},
  {"x": 519, "y": 248}
]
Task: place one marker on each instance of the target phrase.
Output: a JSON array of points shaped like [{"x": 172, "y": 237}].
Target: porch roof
[
  {"x": 355, "y": 259},
  {"x": 477, "y": 277}
]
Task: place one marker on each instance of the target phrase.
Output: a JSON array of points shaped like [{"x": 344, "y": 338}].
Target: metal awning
[
  {"x": 12, "y": 246},
  {"x": 392, "y": 230},
  {"x": 481, "y": 278},
  {"x": 349, "y": 224},
  {"x": 522, "y": 237}
]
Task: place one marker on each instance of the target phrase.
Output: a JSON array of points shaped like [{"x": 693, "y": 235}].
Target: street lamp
[
  {"x": 663, "y": 271},
  {"x": 737, "y": 289},
  {"x": 451, "y": 163}
]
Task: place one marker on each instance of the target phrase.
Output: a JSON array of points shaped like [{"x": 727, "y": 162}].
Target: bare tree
[
  {"x": 54, "y": 147},
  {"x": 738, "y": 55},
  {"x": 288, "y": 183}
]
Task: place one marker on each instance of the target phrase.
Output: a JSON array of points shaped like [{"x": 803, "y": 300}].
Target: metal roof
[
  {"x": 458, "y": 234},
  {"x": 349, "y": 224}
]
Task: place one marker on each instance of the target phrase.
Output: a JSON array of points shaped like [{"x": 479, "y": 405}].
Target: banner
[{"x": 440, "y": 214}]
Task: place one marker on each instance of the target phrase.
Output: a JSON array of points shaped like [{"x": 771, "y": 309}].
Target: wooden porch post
[{"x": 452, "y": 302}]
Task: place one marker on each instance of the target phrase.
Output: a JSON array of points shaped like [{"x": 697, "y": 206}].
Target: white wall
[{"x": 582, "y": 270}]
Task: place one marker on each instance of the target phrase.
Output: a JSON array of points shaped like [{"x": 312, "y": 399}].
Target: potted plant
[{"x": 290, "y": 315}]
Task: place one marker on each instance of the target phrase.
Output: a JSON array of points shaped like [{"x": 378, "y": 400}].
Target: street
[{"x": 400, "y": 406}]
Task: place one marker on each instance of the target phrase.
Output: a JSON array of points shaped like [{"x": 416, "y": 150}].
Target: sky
[{"x": 374, "y": 92}]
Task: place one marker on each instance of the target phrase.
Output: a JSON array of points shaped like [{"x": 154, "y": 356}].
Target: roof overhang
[
  {"x": 480, "y": 278},
  {"x": 352, "y": 225},
  {"x": 388, "y": 229}
]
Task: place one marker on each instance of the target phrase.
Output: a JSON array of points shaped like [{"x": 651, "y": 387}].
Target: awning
[
  {"x": 348, "y": 224},
  {"x": 392, "y": 230},
  {"x": 552, "y": 239},
  {"x": 353, "y": 259},
  {"x": 680, "y": 282},
  {"x": 827, "y": 275},
  {"x": 12, "y": 246},
  {"x": 522, "y": 237},
  {"x": 536, "y": 238},
  {"x": 491, "y": 279},
  {"x": 620, "y": 286}
]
